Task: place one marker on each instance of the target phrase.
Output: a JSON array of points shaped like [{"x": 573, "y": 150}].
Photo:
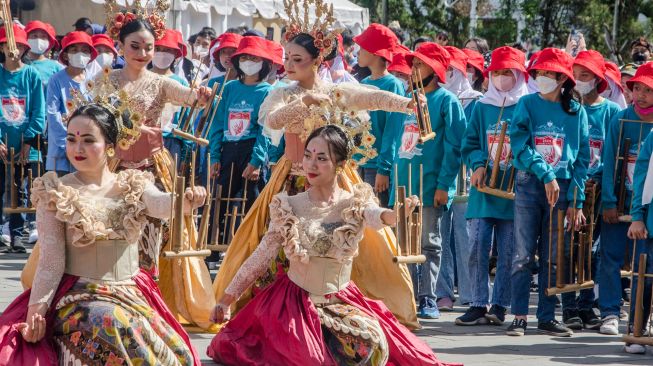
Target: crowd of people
[{"x": 93, "y": 118}]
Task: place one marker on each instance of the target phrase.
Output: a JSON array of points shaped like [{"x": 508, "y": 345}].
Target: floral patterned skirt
[{"x": 114, "y": 325}]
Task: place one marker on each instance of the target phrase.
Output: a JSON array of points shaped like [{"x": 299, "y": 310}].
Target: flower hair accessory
[
  {"x": 325, "y": 40},
  {"x": 356, "y": 125},
  {"x": 155, "y": 15},
  {"x": 104, "y": 93}
]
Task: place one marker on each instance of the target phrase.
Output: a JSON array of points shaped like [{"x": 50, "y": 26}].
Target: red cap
[
  {"x": 644, "y": 75},
  {"x": 555, "y": 60},
  {"x": 613, "y": 73},
  {"x": 507, "y": 58},
  {"x": 104, "y": 40},
  {"x": 227, "y": 40},
  {"x": 19, "y": 35},
  {"x": 475, "y": 59},
  {"x": 400, "y": 64},
  {"x": 47, "y": 28},
  {"x": 276, "y": 52},
  {"x": 593, "y": 61},
  {"x": 378, "y": 40},
  {"x": 252, "y": 45},
  {"x": 77, "y": 37},
  {"x": 180, "y": 42},
  {"x": 458, "y": 59},
  {"x": 169, "y": 40},
  {"x": 435, "y": 56}
]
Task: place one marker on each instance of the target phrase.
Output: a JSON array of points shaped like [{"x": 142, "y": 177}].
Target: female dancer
[
  {"x": 185, "y": 282},
  {"x": 289, "y": 108},
  {"x": 317, "y": 316},
  {"x": 90, "y": 303}
]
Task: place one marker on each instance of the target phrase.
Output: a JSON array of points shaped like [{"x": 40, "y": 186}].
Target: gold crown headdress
[
  {"x": 104, "y": 93},
  {"x": 325, "y": 40},
  {"x": 156, "y": 16},
  {"x": 356, "y": 125}
]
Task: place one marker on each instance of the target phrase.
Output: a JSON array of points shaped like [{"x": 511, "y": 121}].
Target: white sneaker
[
  {"x": 610, "y": 325},
  {"x": 637, "y": 349},
  {"x": 33, "y": 236},
  {"x": 4, "y": 236}
]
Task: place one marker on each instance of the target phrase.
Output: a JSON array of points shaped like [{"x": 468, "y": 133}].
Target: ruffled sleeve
[
  {"x": 357, "y": 97},
  {"x": 280, "y": 111},
  {"x": 133, "y": 183},
  {"x": 176, "y": 93}
]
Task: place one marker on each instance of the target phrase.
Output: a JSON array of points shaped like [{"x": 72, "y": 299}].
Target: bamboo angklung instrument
[
  {"x": 203, "y": 232},
  {"x": 207, "y": 130},
  {"x": 409, "y": 226},
  {"x": 422, "y": 111},
  {"x": 8, "y": 20},
  {"x": 206, "y": 112},
  {"x": 637, "y": 334}
]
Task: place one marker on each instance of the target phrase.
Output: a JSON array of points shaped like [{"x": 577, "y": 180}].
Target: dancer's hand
[
  {"x": 478, "y": 177},
  {"x": 552, "y": 192},
  {"x": 316, "y": 99},
  {"x": 195, "y": 196},
  {"x": 637, "y": 230},
  {"x": 33, "y": 329},
  {"x": 222, "y": 311},
  {"x": 610, "y": 215},
  {"x": 203, "y": 96},
  {"x": 412, "y": 202}
]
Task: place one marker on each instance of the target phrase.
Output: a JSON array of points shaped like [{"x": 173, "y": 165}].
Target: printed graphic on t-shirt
[
  {"x": 630, "y": 172},
  {"x": 549, "y": 143},
  {"x": 493, "y": 140},
  {"x": 239, "y": 121},
  {"x": 596, "y": 148},
  {"x": 13, "y": 109},
  {"x": 410, "y": 139}
]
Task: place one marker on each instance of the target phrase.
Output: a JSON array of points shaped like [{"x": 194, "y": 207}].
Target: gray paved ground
[{"x": 483, "y": 345}]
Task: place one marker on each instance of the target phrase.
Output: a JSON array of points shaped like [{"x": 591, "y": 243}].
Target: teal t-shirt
[
  {"x": 641, "y": 211},
  {"x": 481, "y": 136},
  {"x": 439, "y": 157},
  {"x": 550, "y": 143},
  {"x": 22, "y": 115},
  {"x": 46, "y": 68},
  {"x": 386, "y": 126},
  {"x": 598, "y": 120},
  {"x": 237, "y": 119}
]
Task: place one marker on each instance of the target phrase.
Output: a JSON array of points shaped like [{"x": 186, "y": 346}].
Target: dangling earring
[
  {"x": 111, "y": 152},
  {"x": 339, "y": 170},
  {"x": 314, "y": 68}
]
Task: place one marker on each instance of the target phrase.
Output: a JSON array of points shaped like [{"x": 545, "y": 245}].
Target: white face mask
[
  {"x": 471, "y": 76},
  {"x": 405, "y": 83},
  {"x": 38, "y": 46},
  {"x": 545, "y": 84},
  {"x": 201, "y": 51},
  {"x": 585, "y": 87},
  {"x": 104, "y": 59},
  {"x": 163, "y": 60},
  {"x": 503, "y": 83},
  {"x": 250, "y": 68},
  {"x": 79, "y": 59}
]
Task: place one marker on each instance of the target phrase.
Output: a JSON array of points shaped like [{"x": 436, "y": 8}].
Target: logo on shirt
[
  {"x": 493, "y": 147},
  {"x": 13, "y": 109},
  {"x": 409, "y": 140},
  {"x": 240, "y": 116},
  {"x": 550, "y": 148},
  {"x": 630, "y": 169},
  {"x": 596, "y": 148}
]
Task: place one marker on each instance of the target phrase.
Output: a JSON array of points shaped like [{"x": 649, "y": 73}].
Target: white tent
[{"x": 190, "y": 16}]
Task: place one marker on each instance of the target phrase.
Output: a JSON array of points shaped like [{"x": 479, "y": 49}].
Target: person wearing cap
[
  {"x": 22, "y": 120},
  {"x": 41, "y": 38},
  {"x": 641, "y": 228},
  {"x": 377, "y": 45},
  {"x": 84, "y": 25},
  {"x": 489, "y": 214},
  {"x": 399, "y": 67},
  {"x": 626, "y": 73},
  {"x": 440, "y": 159},
  {"x": 238, "y": 147},
  {"x": 166, "y": 52},
  {"x": 107, "y": 56},
  {"x": 549, "y": 140},
  {"x": 613, "y": 231},
  {"x": 227, "y": 44},
  {"x": 76, "y": 52},
  {"x": 475, "y": 70},
  {"x": 457, "y": 81},
  {"x": 615, "y": 90},
  {"x": 590, "y": 74}
]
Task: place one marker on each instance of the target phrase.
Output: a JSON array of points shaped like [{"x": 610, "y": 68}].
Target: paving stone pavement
[{"x": 473, "y": 346}]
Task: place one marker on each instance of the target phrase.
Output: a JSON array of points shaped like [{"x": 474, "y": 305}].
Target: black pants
[
  {"x": 234, "y": 160},
  {"x": 17, "y": 221}
]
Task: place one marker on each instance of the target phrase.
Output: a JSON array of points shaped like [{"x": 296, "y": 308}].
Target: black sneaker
[
  {"x": 554, "y": 328},
  {"x": 496, "y": 315},
  {"x": 475, "y": 315},
  {"x": 590, "y": 319},
  {"x": 571, "y": 319},
  {"x": 517, "y": 328}
]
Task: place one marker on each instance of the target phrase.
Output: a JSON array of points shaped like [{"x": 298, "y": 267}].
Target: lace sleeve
[
  {"x": 158, "y": 203},
  {"x": 372, "y": 214},
  {"x": 359, "y": 97},
  {"x": 256, "y": 264},
  {"x": 52, "y": 260},
  {"x": 277, "y": 113},
  {"x": 177, "y": 94}
]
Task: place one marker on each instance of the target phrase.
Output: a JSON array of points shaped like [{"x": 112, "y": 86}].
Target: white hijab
[
  {"x": 613, "y": 93},
  {"x": 460, "y": 86},
  {"x": 495, "y": 97}
]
